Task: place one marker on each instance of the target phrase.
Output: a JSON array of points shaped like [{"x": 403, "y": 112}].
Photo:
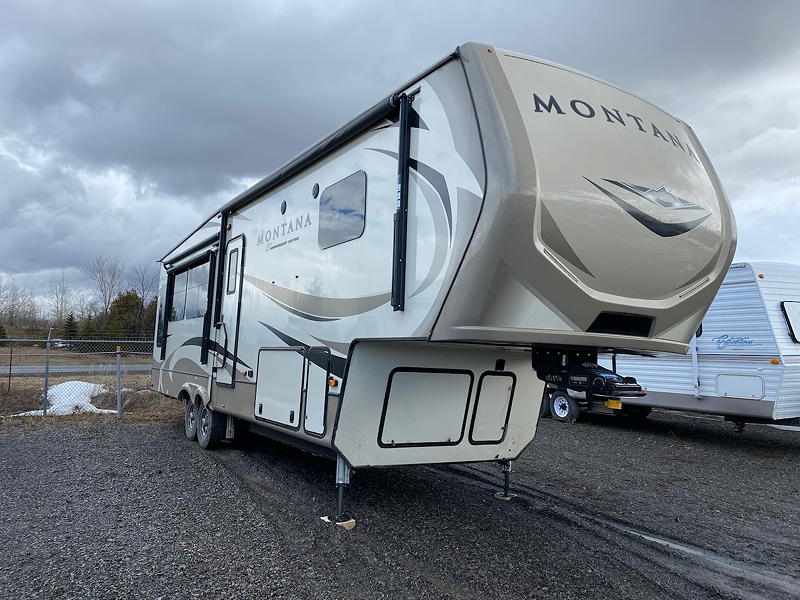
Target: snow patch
[{"x": 69, "y": 398}]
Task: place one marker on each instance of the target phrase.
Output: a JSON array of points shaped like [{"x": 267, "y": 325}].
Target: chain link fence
[{"x": 41, "y": 377}]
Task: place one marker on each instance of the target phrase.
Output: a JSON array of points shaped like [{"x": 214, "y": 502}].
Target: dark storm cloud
[{"x": 123, "y": 124}]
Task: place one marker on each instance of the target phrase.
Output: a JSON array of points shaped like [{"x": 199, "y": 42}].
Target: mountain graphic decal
[{"x": 662, "y": 199}]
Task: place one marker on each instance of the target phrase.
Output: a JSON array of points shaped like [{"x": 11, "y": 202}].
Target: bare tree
[
  {"x": 106, "y": 272},
  {"x": 84, "y": 305},
  {"x": 143, "y": 280},
  {"x": 59, "y": 298},
  {"x": 4, "y": 285}
]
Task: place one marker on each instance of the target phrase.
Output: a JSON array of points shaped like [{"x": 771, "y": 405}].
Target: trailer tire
[
  {"x": 563, "y": 408},
  {"x": 190, "y": 419},
  {"x": 210, "y": 428}
]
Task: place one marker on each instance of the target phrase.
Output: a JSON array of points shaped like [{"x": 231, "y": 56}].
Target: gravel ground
[{"x": 675, "y": 507}]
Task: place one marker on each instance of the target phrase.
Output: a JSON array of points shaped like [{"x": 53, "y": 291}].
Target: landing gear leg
[
  {"x": 506, "y": 469},
  {"x": 738, "y": 426},
  {"x": 342, "y": 480}
]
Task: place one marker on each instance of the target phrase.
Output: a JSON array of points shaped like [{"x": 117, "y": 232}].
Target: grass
[{"x": 139, "y": 402}]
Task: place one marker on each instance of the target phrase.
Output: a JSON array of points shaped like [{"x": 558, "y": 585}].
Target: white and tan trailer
[{"x": 383, "y": 297}]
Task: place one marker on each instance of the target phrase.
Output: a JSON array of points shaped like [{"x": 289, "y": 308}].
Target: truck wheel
[
  {"x": 637, "y": 413},
  {"x": 190, "y": 419},
  {"x": 563, "y": 408},
  {"x": 544, "y": 408},
  {"x": 210, "y": 428}
]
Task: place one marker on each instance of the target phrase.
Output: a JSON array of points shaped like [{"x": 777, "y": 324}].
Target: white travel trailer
[
  {"x": 744, "y": 362},
  {"x": 382, "y": 297}
]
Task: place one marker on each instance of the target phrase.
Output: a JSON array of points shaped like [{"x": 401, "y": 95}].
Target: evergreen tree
[
  {"x": 126, "y": 313},
  {"x": 70, "y": 330},
  {"x": 114, "y": 329},
  {"x": 88, "y": 330}
]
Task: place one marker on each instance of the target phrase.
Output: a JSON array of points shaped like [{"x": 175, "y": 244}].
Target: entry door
[{"x": 227, "y": 331}]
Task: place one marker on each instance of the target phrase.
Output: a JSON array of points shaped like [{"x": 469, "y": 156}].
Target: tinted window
[
  {"x": 197, "y": 292},
  {"x": 792, "y": 312},
  {"x": 342, "y": 210},
  {"x": 190, "y": 293},
  {"x": 233, "y": 269},
  {"x": 179, "y": 296},
  {"x": 160, "y": 326}
]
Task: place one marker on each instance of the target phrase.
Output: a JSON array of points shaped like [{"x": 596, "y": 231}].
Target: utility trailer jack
[
  {"x": 341, "y": 518},
  {"x": 505, "y": 467}
]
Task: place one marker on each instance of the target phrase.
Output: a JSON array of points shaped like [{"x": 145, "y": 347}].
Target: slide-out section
[{"x": 418, "y": 402}]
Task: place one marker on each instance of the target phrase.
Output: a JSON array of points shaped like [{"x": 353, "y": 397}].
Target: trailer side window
[
  {"x": 233, "y": 270},
  {"x": 197, "y": 292},
  {"x": 160, "y": 324},
  {"x": 179, "y": 296},
  {"x": 342, "y": 210},
  {"x": 190, "y": 293},
  {"x": 791, "y": 311}
]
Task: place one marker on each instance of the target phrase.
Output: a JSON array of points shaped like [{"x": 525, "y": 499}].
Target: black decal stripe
[
  {"x": 215, "y": 347},
  {"x": 435, "y": 178},
  {"x": 337, "y": 363},
  {"x": 655, "y": 225}
]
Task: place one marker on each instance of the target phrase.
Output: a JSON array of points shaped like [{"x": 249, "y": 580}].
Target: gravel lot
[{"x": 675, "y": 507}]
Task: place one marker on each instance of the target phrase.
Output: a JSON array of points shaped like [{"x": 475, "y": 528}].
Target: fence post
[
  {"x": 10, "y": 364},
  {"x": 46, "y": 373},
  {"x": 119, "y": 381}
]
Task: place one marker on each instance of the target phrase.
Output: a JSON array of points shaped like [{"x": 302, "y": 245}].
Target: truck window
[
  {"x": 791, "y": 311},
  {"x": 342, "y": 210}
]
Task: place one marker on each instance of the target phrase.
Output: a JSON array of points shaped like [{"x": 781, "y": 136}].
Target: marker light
[
  {"x": 775, "y": 361},
  {"x": 761, "y": 276},
  {"x": 332, "y": 382}
]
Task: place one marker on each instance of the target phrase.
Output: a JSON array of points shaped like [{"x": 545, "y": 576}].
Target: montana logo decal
[{"x": 677, "y": 215}]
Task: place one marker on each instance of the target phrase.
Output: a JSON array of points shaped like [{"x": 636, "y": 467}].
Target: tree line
[{"x": 121, "y": 304}]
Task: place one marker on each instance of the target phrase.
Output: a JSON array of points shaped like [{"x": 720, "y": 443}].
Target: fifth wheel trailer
[
  {"x": 744, "y": 361},
  {"x": 396, "y": 293}
]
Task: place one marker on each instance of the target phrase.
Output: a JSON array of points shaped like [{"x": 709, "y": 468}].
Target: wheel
[
  {"x": 563, "y": 408},
  {"x": 210, "y": 428},
  {"x": 544, "y": 408},
  {"x": 637, "y": 413},
  {"x": 190, "y": 419}
]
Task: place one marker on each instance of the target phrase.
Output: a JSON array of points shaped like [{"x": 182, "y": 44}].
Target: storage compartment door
[
  {"x": 492, "y": 408},
  {"x": 279, "y": 386},
  {"x": 740, "y": 386},
  {"x": 425, "y": 407},
  {"x": 317, "y": 390}
]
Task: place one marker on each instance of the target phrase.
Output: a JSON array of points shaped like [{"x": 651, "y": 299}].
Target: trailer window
[
  {"x": 791, "y": 311},
  {"x": 160, "y": 325},
  {"x": 179, "y": 296},
  {"x": 190, "y": 293},
  {"x": 197, "y": 292},
  {"x": 233, "y": 270},
  {"x": 342, "y": 210}
]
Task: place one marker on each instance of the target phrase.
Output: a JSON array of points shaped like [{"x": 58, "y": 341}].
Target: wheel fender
[{"x": 194, "y": 390}]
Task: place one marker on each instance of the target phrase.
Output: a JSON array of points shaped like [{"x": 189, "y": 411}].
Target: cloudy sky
[{"x": 124, "y": 124}]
